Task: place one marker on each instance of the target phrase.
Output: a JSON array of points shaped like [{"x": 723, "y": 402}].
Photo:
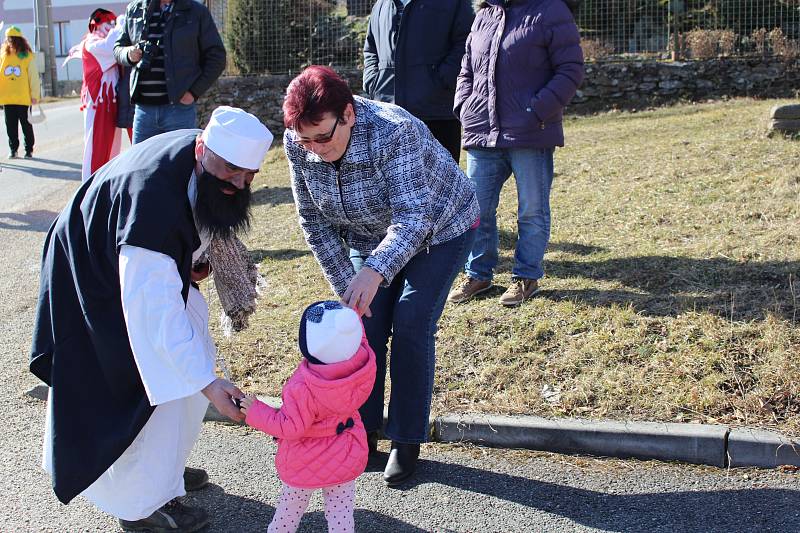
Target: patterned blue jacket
[{"x": 396, "y": 192}]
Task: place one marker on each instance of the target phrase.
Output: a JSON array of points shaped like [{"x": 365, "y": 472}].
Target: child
[
  {"x": 19, "y": 89},
  {"x": 321, "y": 439}
]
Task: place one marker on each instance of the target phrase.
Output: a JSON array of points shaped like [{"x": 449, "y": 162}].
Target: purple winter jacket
[{"x": 522, "y": 65}]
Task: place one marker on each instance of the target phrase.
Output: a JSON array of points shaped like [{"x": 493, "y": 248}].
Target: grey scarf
[{"x": 237, "y": 281}]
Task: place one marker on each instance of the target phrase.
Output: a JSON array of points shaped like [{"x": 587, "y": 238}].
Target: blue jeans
[
  {"x": 533, "y": 170},
  {"x": 409, "y": 310},
  {"x": 150, "y": 120}
]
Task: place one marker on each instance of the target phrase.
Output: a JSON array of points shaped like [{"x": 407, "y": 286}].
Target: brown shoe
[
  {"x": 194, "y": 478},
  {"x": 173, "y": 517},
  {"x": 467, "y": 290},
  {"x": 519, "y": 291}
]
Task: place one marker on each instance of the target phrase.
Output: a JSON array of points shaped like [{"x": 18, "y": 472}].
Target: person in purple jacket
[{"x": 523, "y": 64}]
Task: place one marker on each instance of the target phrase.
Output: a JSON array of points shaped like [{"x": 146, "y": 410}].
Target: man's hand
[
  {"x": 221, "y": 392},
  {"x": 134, "y": 54},
  {"x": 361, "y": 291},
  {"x": 187, "y": 98},
  {"x": 201, "y": 272}
]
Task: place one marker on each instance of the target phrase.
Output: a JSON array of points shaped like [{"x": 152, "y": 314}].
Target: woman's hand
[{"x": 361, "y": 291}]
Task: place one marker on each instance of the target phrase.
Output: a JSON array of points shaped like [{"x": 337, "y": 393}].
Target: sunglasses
[{"x": 323, "y": 139}]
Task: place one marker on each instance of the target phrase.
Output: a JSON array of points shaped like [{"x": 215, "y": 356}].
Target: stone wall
[{"x": 630, "y": 85}]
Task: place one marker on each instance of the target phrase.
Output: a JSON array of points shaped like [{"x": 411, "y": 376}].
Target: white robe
[{"x": 175, "y": 356}]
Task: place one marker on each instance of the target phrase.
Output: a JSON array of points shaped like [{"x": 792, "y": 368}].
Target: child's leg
[
  {"x": 291, "y": 506},
  {"x": 339, "y": 501}
]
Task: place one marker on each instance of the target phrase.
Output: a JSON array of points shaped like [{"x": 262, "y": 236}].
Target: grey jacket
[
  {"x": 193, "y": 50},
  {"x": 396, "y": 192}
]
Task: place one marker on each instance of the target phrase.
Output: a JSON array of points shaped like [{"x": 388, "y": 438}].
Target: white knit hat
[
  {"x": 237, "y": 137},
  {"x": 329, "y": 333}
]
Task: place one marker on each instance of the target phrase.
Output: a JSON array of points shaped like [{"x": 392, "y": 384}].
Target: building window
[{"x": 61, "y": 36}]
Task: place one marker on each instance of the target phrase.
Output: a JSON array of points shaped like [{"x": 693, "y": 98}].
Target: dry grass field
[{"x": 671, "y": 291}]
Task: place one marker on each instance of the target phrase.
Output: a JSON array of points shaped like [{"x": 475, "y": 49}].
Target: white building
[{"x": 70, "y": 24}]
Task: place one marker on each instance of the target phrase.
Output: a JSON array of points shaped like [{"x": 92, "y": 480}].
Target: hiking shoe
[
  {"x": 172, "y": 517},
  {"x": 519, "y": 291},
  {"x": 194, "y": 478},
  {"x": 468, "y": 289},
  {"x": 28, "y": 155},
  {"x": 12, "y": 155}
]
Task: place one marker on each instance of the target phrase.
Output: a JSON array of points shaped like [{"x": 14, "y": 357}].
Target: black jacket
[
  {"x": 80, "y": 340},
  {"x": 420, "y": 73},
  {"x": 193, "y": 50}
]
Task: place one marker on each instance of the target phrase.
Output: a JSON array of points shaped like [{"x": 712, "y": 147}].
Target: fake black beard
[{"x": 220, "y": 214}]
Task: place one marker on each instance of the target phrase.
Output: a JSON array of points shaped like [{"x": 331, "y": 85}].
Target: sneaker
[
  {"x": 468, "y": 289},
  {"x": 519, "y": 291},
  {"x": 12, "y": 155},
  {"x": 28, "y": 155},
  {"x": 172, "y": 517},
  {"x": 194, "y": 478}
]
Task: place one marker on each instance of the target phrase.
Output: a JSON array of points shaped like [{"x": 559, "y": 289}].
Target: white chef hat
[{"x": 237, "y": 137}]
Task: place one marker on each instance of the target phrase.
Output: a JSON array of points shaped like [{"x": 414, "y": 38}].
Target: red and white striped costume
[{"x": 102, "y": 138}]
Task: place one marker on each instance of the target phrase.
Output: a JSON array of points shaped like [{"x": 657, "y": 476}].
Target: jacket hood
[
  {"x": 573, "y": 5},
  {"x": 342, "y": 387}
]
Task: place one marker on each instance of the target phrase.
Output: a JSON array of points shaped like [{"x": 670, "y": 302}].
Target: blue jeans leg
[
  {"x": 378, "y": 328},
  {"x": 145, "y": 122},
  {"x": 488, "y": 169},
  {"x": 151, "y": 120},
  {"x": 178, "y": 117},
  {"x": 533, "y": 171},
  {"x": 410, "y": 309}
]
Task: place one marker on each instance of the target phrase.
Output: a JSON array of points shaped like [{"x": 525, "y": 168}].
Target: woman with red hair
[{"x": 390, "y": 218}]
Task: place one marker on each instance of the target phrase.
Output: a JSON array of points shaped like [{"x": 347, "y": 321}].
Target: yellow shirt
[{"x": 19, "y": 79}]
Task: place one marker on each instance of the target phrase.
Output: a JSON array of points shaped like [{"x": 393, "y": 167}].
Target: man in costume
[
  {"x": 121, "y": 334},
  {"x": 101, "y": 74}
]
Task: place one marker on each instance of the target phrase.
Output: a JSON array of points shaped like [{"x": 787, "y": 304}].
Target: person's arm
[
  {"x": 566, "y": 57},
  {"x": 212, "y": 54},
  {"x": 464, "y": 81},
  {"x": 103, "y": 49},
  {"x": 173, "y": 353},
  {"x": 123, "y": 43},
  {"x": 371, "y": 54},
  {"x": 450, "y": 66},
  {"x": 291, "y": 421},
  {"x": 409, "y": 200},
  {"x": 321, "y": 236},
  {"x": 34, "y": 85}
]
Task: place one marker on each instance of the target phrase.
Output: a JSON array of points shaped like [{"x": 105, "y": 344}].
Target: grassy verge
[{"x": 671, "y": 290}]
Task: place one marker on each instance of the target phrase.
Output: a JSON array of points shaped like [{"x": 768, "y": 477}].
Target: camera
[{"x": 149, "y": 51}]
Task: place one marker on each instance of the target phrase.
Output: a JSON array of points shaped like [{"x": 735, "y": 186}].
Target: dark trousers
[
  {"x": 409, "y": 311},
  {"x": 18, "y": 114},
  {"x": 448, "y": 133}
]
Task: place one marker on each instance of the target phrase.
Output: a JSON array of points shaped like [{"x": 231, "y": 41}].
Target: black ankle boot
[
  {"x": 372, "y": 442},
  {"x": 402, "y": 463}
]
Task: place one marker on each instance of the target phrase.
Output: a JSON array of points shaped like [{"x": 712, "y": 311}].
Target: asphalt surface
[{"x": 458, "y": 488}]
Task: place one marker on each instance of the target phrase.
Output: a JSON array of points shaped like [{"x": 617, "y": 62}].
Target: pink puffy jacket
[{"x": 317, "y": 445}]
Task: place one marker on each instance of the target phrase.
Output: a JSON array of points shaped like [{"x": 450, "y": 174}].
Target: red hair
[{"x": 315, "y": 91}]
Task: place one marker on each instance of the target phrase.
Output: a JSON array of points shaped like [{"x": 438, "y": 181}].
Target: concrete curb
[
  {"x": 689, "y": 443},
  {"x": 713, "y": 445},
  {"x": 765, "y": 449}
]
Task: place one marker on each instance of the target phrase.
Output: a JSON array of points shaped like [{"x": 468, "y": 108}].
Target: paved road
[{"x": 459, "y": 489}]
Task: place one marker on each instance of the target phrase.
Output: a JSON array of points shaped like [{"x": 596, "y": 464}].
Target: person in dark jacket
[
  {"x": 176, "y": 58},
  {"x": 412, "y": 57},
  {"x": 523, "y": 64}
]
